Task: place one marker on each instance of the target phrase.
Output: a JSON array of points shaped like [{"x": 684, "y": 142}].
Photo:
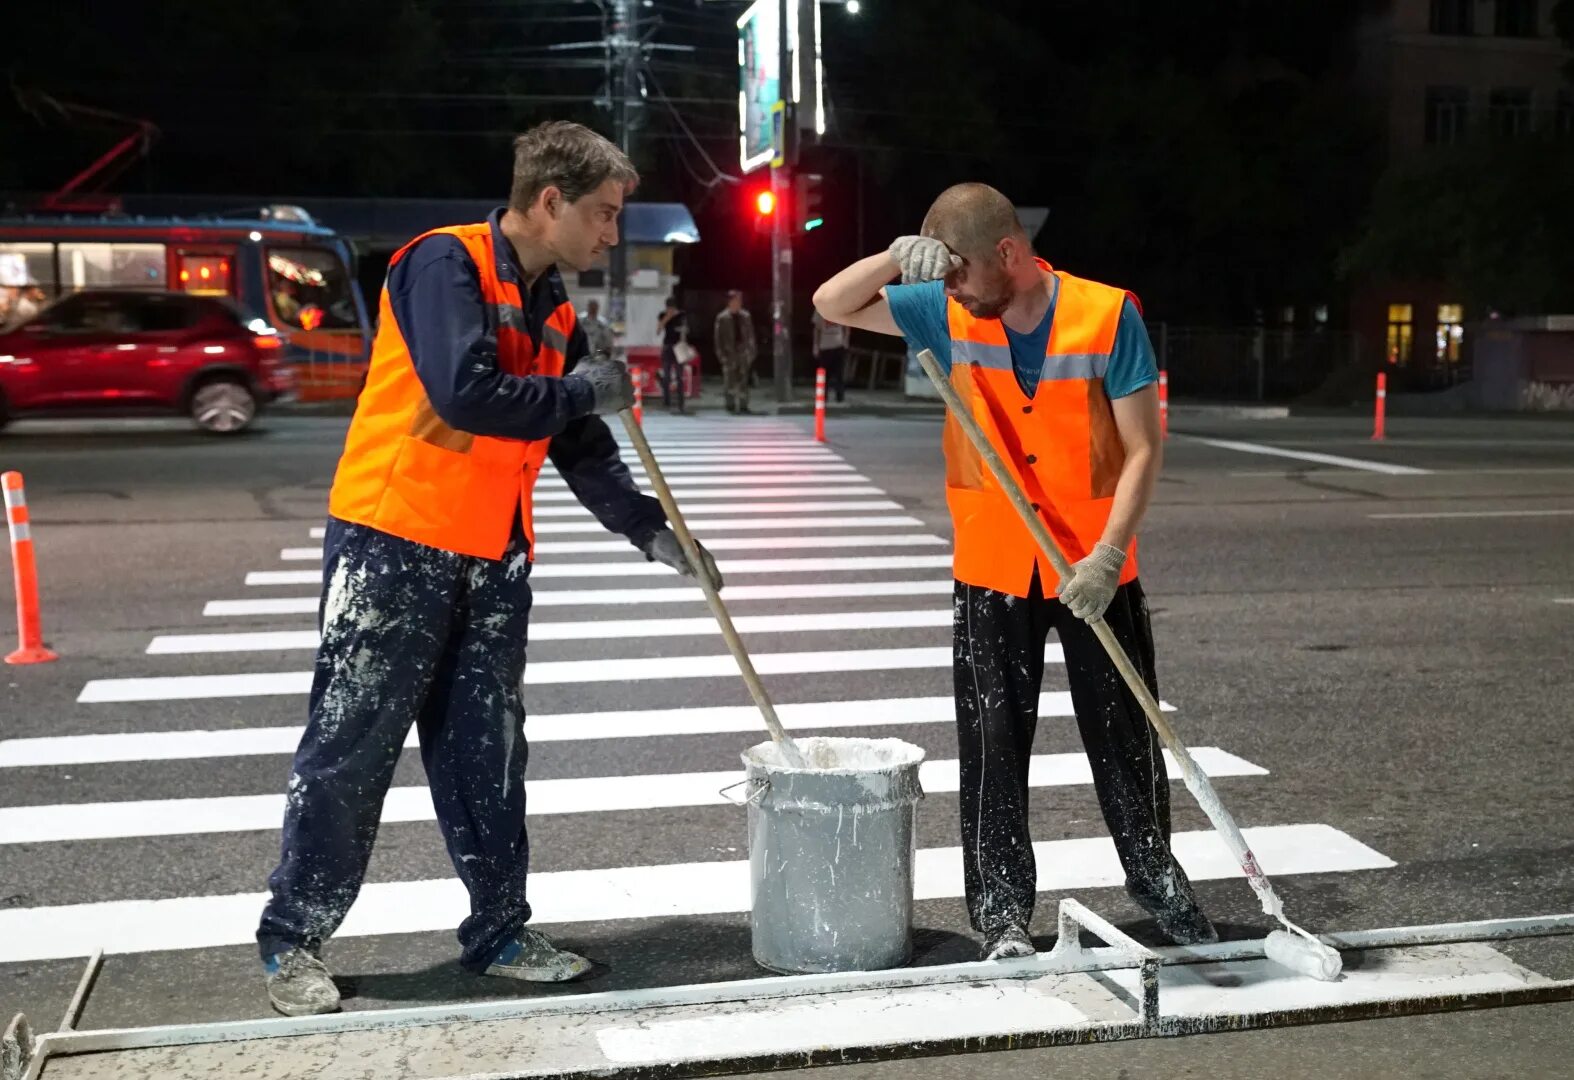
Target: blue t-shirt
[{"x": 920, "y": 313}]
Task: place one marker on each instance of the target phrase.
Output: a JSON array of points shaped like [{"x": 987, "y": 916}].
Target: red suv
[{"x": 104, "y": 352}]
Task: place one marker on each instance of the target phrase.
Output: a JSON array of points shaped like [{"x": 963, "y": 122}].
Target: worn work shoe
[
  {"x": 533, "y": 958},
  {"x": 1008, "y": 944},
  {"x": 299, "y": 984},
  {"x": 1179, "y": 916}
]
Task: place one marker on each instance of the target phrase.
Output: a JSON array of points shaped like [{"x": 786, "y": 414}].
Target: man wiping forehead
[
  {"x": 1060, "y": 372},
  {"x": 973, "y": 218}
]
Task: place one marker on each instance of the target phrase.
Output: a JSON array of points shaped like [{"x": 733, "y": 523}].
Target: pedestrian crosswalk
[{"x": 842, "y": 591}]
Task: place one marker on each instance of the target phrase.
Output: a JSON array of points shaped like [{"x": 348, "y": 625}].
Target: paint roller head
[{"x": 1303, "y": 955}]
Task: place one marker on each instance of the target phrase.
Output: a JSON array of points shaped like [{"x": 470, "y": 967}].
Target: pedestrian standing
[
  {"x": 672, "y": 324},
  {"x": 1060, "y": 372},
  {"x": 479, "y": 374},
  {"x": 830, "y": 352},
  {"x": 733, "y": 337},
  {"x": 598, "y": 332}
]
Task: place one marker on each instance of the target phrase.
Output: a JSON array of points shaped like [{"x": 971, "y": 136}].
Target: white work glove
[
  {"x": 1093, "y": 582},
  {"x": 923, "y": 258},
  {"x": 665, "y": 548},
  {"x": 609, "y": 380}
]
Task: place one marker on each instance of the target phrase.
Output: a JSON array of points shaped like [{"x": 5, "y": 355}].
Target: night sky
[{"x": 1217, "y": 157}]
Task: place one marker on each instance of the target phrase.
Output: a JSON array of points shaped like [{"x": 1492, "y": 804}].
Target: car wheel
[{"x": 223, "y": 407}]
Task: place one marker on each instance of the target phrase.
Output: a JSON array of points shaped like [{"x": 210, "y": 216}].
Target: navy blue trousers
[{"x": 410, "y": 634}]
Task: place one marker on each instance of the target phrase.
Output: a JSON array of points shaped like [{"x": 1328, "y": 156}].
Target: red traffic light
[{"x": 765, "y": 203}]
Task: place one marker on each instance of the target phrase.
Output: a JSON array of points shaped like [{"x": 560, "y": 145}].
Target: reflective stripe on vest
[
  {"x": 405, "y": 471},
  {"x": 1061, "y": 445}
]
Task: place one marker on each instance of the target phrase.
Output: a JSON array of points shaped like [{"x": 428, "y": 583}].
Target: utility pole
[
  {"x": 785, "y": 217},
  {"x": 623, "y": 58}
]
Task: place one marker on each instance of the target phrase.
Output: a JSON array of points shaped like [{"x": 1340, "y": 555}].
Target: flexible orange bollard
[
  {"x": 30, "y": 649},
  {"x": 1164, "y": 404},
  {"x": 639, "y": 396},
  {"x": 819, "y": 405},
  {"x": 1380, "y": 422}
]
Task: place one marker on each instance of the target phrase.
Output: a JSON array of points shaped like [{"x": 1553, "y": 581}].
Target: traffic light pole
[{"x": 783, "y": 219}]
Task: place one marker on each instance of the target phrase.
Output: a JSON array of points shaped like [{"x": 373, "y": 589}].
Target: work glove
[
  {"x": 923, "y": 258},
  {"x": 1093, "y": 582},
  {"x": 664, "y": 548},
  {"x": 609, "y": 380}
]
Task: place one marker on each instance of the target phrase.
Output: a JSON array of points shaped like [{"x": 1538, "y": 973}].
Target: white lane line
[
  {"x": 725, "y": 543},
  {"x": 693, "y": 494},
  {"x": 62, "y": 822},
  {"x": 1461, "y": 514},
  {"x": 307, "y": 605},
  {"x": 1307, "y": 455},
  {"x": 1564, "y": 600},
  {"x": 587, "y": 630},
  {"x": 539, "y": 728},
  {"x": 631, "y": 568},
  {"x": 544, "y": 673},
  {"x": 629, "y": 892}
]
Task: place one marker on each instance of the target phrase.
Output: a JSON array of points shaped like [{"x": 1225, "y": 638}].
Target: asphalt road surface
[{"x": 1377, "y": 641}]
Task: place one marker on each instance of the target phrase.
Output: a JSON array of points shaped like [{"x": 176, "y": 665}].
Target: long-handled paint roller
[
  {"x": 790, "y": 751},
  {"x": 1293, "y": 947}
]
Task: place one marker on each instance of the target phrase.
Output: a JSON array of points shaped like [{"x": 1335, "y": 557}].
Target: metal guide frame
[{"x": 1069, "y": 956}]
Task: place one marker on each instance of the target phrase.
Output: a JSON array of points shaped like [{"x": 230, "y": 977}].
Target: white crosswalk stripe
[
  {"x": 585, "y": 795},
  {"x": 855, "y": 581},
  {"x": 630, "y": 892}
]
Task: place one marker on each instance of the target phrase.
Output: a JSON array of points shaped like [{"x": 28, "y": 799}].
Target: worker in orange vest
[
  {"x": 1059, "y": 371},
  {"x": 479, "y": 374}
]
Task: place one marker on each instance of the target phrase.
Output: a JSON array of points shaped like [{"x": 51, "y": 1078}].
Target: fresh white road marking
[
  {"x": 581, "y": 795},
  {"x": 641, "y": 568},
  {"x": 539, "y": 728},
  {"x": 307, "y": 605},
  {"x": 544, "y": 673},
  {"x": 585, "y": 630},
  {"x": 627, "y": 892}
]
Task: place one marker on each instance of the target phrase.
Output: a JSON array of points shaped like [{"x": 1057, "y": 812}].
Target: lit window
[
  {"x": 1450, "y": 333},
  {"x": 1401, "y": 327}
]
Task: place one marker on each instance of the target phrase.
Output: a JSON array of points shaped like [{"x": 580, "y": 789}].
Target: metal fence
[{"x": 1250, "y": 364}]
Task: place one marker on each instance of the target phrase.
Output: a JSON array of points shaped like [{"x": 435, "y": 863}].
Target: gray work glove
[
  {"x": 610, "y": 381},
  {"x": 923, "y": 258},
  {"x": 1093, "y": 582},
  {"x": 664, "y": 548}
]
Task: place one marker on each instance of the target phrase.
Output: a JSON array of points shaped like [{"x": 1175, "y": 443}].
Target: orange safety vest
[
  {"x": 1061, "y": 445},
  {"x": 407, "y": 473}
]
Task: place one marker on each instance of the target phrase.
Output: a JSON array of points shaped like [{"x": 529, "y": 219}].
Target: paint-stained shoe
[
  {"x": 1178, "y": 914},
  {"x": 1012, "y": 943},
  {"x": 299, "y": 984},
  {"x": 532, "y": 957}
]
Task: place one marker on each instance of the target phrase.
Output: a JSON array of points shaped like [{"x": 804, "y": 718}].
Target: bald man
[{"x": 1060, "y": 373}]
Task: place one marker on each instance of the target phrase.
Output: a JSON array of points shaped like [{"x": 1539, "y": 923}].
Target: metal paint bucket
[{"x": 831, "y": 854}]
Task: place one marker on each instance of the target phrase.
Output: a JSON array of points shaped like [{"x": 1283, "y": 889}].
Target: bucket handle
[{"x": 764, "y": 786}]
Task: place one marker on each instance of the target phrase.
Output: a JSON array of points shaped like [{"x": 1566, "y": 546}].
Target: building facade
[{"x": 1443, "y": 71}]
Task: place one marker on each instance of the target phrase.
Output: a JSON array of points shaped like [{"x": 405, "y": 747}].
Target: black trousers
[
  {"x": 410, "y": 634},
  {"x": 671, "y": 377},
  {"x": 998, "y": 666},
  {"x": 834, "y": 361}
]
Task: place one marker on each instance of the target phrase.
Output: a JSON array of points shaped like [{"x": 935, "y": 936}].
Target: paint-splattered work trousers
[
  {"x": 409, "y": 634},
  {"x": 998, "y": 666}
]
